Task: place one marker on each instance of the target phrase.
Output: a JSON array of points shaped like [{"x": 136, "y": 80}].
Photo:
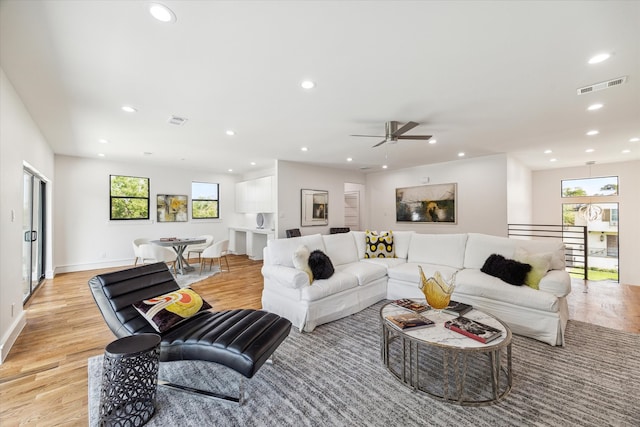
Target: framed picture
[
  {"x": 171, "y": 208},
  {"x": 427, "y": 203},
  {"x": 314, "y": 207}
]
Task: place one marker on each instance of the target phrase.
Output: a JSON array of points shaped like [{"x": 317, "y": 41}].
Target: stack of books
[
  {"x": 409, "y": 321},
  {"x": 414, "y": 306},
  {"x": 457, "y": 308},
  {"x": 473, "y": 329}
]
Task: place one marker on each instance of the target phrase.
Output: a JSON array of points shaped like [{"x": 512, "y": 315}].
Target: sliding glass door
[{"x": 33, "y": 233}]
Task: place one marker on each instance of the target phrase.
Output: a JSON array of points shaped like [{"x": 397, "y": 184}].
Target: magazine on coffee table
[
  {"x": 458, "y": 308},
  {"x": 409, "y": 321},
  {"x": 409, "y": 304},
  {"x": 473, "y": 329}
]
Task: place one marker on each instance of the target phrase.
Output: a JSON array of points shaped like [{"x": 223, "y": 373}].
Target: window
[
  {"x": 129, "y": 197},
  {"x": 587, "y": 187},
  {"x": 204, "y": 200}
]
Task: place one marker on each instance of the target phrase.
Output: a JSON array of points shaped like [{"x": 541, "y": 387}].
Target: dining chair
[
  {"x": 137, "y": 251},
  {"x": 200, "y": 246},
  {"x": 217, "y": 251},
  {"x": 293, "y": 232},
  {"x": 155, "y": 253}
]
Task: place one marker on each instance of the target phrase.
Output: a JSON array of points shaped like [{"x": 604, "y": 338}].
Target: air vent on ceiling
[
  {"x": 178, "y": 121},
  {"x": 602, "y": 85}
]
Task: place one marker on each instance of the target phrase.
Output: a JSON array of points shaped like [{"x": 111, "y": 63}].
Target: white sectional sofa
[{"x": 359, "y": 282}]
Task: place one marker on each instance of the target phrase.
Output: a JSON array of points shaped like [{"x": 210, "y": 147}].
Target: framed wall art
[
  {"x": 427, "y": 203},
  {"x": 172, "y": 208},
  {"x": 314, "y": 207}
]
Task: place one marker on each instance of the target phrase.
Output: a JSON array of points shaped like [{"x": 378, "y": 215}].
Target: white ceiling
[{"x": 481, "y": 77}]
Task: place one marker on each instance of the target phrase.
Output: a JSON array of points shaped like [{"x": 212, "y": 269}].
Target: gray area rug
[
  {"x": 194, "y": 275},
  {"x": 334, "y": 377}
]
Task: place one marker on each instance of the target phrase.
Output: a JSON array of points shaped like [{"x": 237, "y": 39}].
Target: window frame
[
  {"x": 195, "y": 199},
  {"x": 112, "y": 197}
]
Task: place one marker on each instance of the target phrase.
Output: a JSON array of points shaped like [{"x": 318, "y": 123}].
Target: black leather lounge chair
[{"x": 241, "y": 339}]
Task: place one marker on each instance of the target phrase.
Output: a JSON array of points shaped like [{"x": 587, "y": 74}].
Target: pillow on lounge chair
[
  {"x": 165, "y": 311},
  {"x": 508, "y": 270},
  {"x": 320, "y": 265}
]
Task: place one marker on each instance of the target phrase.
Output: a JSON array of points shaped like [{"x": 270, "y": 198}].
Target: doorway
[
  {"x": 352, "y": 210},
  {"x": 33, "y": 232}
]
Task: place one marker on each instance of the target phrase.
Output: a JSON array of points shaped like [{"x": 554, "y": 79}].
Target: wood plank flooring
[{"x": 43, "y": 382}]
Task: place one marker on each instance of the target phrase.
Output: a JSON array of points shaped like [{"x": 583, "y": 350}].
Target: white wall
[
  {"x": 519, "y": 193},
  {"x": 293, "y": 177},
  {"x": 481, "y": 199},
  {"x": 547, "y": 206},
  {"x": 20, "y": 141},
  {"x": 88, "y": 239}
]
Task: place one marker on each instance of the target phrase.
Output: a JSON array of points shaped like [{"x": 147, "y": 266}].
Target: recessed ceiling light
[
  {"x": 634, "y": 139},
  {"x": 461, "y": 154},
  {"x": 103, "y": 141},
  {"x": 626, "y": 151},
  {"x": 162, "y": 13},
  {"x": 594, "y": 107},
  {"x": 553, "y": 160},
  {"x": 592, "y": 132},
  {"x": 101, "y": 154},
  {"x": 308, "y": 84},
  {"x": 349, "y": 159},
  {"x": 384, "y": 166},
  {"x": 589, "y": 150},
  {"x": 230, "y": 170},
  {"x": 304, "y": 149},
  {"x": 599, "y": 58},
  {"x": 548, "y": 151},
  {"x": 433, "y": 141},
  {"x": 230, "y": 132},
  {"x": 253, "y": 163},
  {"x": 129, "y": 109}
]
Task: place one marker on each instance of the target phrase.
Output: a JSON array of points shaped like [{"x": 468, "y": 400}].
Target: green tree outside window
[{"x": 129, "y": 197}]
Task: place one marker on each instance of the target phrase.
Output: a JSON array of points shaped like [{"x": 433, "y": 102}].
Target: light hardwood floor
[{"x": 43, "y": 382}]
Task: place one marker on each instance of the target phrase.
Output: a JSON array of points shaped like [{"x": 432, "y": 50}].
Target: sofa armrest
[
  {"x": 556, "y": 282},
  {"x": 286, "y": 276}
]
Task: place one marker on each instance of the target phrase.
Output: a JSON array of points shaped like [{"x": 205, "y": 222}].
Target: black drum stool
[{"x": 129, "y": 380}]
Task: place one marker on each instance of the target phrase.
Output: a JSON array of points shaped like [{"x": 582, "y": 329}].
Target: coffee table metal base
[{"x": 465, "y": 376}]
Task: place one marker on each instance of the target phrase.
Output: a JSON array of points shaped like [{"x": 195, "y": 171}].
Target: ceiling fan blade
[
  {"x": 405, "y": 128},
  {"x": 370, "y": 136},
  {"x": 422, "y": 137},
  {"x": 379, "y": 143}
]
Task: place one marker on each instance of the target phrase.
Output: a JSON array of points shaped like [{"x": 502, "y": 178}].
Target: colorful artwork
[
  {"x": 426, "y": 203},
  {"x": 172, "y": 208}
]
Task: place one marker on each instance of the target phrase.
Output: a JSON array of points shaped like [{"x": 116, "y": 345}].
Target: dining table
[{"x": 179, "y": 245}]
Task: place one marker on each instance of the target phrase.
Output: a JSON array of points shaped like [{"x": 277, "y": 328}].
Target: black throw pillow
[
  {"x": 508, "y": 270},
  {"x": 320, "y": 265}
]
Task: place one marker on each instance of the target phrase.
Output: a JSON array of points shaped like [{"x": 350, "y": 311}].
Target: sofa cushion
[
  {"x": 473, "y": 282},
  {"x": 540, "y": 264},
  {"x": 481, "y": 246},
  {"x": 441, "y": 249},
  {"x": 365, "y": 272},
  {"x": 401, "y": 242},
  {"x": 322, "y": 288},
  {"x": 408, "y": 272},
  {"x": 386, "y": 262},
  {"x": 508, "y": 270},
  {"x": 361, "y": 245},
  {"x": 379, "y": 245},
  {"x": 553, "y": 248},
  {"x": 166, "y": 311},
  {"x": 341, "y": 248},
  {"x": 281, "y": 250},
  {"x": 320, "y": 265}
]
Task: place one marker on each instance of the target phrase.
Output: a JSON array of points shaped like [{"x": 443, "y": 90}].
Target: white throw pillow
[{"x": 301, "y": 261}]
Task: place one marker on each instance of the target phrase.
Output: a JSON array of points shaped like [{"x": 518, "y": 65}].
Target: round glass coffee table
[{"x": 446, "y": 364}]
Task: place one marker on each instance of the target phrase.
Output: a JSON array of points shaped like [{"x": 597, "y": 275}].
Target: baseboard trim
[
  {"x": 12, "y": 335},
  {"x": 93, "y": 266}
]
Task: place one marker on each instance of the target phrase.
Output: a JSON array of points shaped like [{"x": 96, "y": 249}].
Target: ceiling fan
[{"x": 392, "y": 133}]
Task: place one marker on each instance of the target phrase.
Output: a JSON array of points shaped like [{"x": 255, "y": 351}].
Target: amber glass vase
[{"x": 436, "y": 290}]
